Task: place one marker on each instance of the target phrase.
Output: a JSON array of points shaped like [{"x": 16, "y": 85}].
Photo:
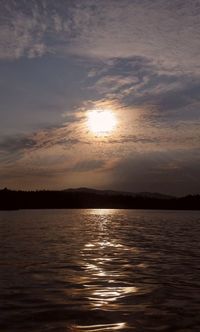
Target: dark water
[{"x": 100, "y": 270}]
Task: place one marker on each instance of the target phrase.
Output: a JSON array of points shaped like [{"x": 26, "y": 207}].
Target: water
[{"x": 99, "y": 270}]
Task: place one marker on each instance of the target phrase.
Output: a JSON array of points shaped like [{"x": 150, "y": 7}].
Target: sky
[{"x": 139, "y": 59}]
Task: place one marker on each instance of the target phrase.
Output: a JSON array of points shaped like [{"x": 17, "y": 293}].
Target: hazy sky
[{"x": 138, "y": 58}]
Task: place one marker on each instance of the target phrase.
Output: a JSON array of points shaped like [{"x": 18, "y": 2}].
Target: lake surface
[{"x": 99, "y": 270}]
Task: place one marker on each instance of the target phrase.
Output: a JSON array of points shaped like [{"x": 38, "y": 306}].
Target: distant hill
[
  {"x": 86, "y": 198},
  {"x": 116, "y": 193}
]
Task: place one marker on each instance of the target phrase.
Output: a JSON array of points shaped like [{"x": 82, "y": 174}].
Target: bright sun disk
[{"x": 101, "y": 122}]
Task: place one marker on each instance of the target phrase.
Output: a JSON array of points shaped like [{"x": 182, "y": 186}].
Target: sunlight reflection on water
[
  {"x": 101, "y": 327},
  {"x": 99, "y": 270},
  {"x": 103, "y": 280},
  {"x": 103, "y": 295}
]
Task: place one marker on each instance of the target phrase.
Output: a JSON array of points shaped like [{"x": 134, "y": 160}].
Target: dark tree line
[{"x": 10, "y": 200}]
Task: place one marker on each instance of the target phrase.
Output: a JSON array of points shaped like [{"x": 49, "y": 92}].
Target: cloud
[
  {"x": 54, "y": 158},
  {"x": 138, "y": 82},
  {"x": 16, "y": 147},
  {"x": 124, "y": 139},
  {"x": 166, "y": 32},
  {"x": 21, "y": 32},
  {"x": 113, "y": 83},
  {"x": 146, "y": 53},
  {"x": 141, "y": 59},
  {"x": 17, "y": 143}
]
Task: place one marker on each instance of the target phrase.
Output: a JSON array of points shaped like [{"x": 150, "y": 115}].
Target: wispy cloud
[
  {"x": 16, "y": 147},
  {"x": 17, "y": 143},
  {"x": 138, "y": 82},
  {"x": 162, "y": 31},
  {"x": 168, "y": 34}
]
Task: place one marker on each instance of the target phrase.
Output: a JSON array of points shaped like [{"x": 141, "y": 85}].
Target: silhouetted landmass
[
  {"x": 114, "y": 193},
  {"x": 89, "y": 198}
]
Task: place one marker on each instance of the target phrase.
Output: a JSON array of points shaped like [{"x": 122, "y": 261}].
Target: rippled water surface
[{"x": 99, "y": 270}]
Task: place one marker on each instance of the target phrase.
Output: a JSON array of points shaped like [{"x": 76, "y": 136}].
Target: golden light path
[
  {"x": 103, "y": 282},
  {"x": 101, "y": 122},
  {"x": 102, "y": 327}
]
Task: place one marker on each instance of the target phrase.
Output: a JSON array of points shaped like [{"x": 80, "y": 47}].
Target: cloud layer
[
  {"x": 166, "y": 32},
  {"x": 62, "y": 58}
]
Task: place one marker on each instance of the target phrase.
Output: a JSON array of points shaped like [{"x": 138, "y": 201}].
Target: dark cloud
[
  {"x": 42, "y": 139},
  {"x": 133, "y": 139},
  {"x": 17, "y": 144}
]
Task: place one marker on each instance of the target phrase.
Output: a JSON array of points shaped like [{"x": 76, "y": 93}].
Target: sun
[{"x": 101, "y": 122}]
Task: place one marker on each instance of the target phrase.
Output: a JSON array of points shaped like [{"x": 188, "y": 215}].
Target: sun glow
[{"x": 101, "y": 122}]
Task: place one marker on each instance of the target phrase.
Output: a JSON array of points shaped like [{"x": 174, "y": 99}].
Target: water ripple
[{"x": 99, "y": 270}]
